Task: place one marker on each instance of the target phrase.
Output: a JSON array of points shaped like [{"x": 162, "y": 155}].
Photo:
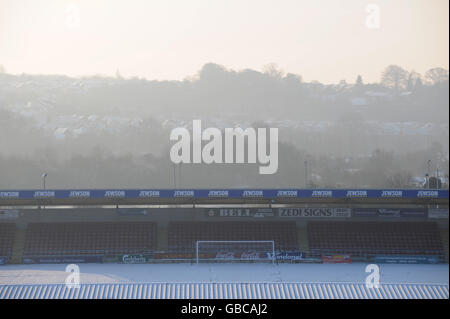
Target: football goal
[{"x": 235, "y": 250}]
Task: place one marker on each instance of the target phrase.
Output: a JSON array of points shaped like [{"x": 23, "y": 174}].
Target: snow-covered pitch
[{"x": 217, "y": 273}]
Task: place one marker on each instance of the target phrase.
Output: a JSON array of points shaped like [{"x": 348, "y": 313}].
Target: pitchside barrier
[
  {"x": 244, "y": 251},
  {"x": 382, "y": 256},
  {"x": 63, "y": 259},
  {"x": 405, "y": 259}
]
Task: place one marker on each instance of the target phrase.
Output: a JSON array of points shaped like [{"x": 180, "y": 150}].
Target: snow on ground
[{"x": 116, "y": 273}]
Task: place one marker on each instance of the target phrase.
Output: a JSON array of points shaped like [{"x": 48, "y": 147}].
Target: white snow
[{"x": 116, "y": 273}]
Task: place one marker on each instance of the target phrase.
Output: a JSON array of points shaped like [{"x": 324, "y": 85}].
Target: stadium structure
[{"x": 190, "y": 229}]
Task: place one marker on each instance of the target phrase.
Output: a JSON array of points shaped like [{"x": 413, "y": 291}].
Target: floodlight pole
[
  {"x": 437, "y": 177},
  {"x": 179, "y": 175},
  {"x": 174, "y": 176},
  {"x": 306, "y": 174},
  {"x": 43, "y": 180},
  {"x": 44, "y": 175}
]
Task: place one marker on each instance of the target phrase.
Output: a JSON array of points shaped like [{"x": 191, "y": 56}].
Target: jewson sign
[{"x": 221, "y": 193}]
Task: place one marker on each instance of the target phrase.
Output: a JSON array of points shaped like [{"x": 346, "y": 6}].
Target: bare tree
[
  {"x": 401, "y": 179},
  {"x": 273, "y": 70},
  {"x": 394, "y": 77},
  {"x": 413, "y": 78},
  {"x": 436, "y": 76}
]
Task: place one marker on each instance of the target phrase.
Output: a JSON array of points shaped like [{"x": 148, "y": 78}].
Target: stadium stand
[
  {"x": 89, "y": 238},
  {"x": 362, "y": 238},
  {"x": 7, "y": 231},
  {"x": 183, "y": 235},
  {"x": 107, "y": 234}
]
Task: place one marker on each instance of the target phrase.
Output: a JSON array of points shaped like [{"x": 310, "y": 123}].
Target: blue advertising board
[
  {"x": 406, "y": 259},
  {"x": 62, "y": 259},
  {"x": 221, "y": 193},
  {"x": 289, "y": 255},
  {"x": 390, "y": 212}
]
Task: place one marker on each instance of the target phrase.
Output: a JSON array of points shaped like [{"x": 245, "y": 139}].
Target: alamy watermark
[
  {"x": 373, "y": 279},
  {"x": 73, "y": 21},
  {"x": 373, "y": 16},
  {"x": 228, "y": 149},
  {"x": 73, "y": 279}
]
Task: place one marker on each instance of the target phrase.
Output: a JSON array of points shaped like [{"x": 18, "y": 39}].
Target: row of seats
[
  {"x": 7, "y": 231},
  {"x": 90, "y": 238},
  {"x": 140, "y": 237},
  {"x": 359, "y": 238}
]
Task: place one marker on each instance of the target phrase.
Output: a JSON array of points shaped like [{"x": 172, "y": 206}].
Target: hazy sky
[{"x": 324, "y": 40}]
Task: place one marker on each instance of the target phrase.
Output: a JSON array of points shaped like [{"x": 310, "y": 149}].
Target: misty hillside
[{"x": 109, "y": 132}]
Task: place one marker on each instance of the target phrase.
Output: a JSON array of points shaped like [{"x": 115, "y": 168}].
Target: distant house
[
  {"x": 378, "y": 96},
  {"x": 358, "y": 101},
  {"x": 418, "y": 181}
]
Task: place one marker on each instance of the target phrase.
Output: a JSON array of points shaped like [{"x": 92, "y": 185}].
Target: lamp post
[
  {"x": 437, "y": 177},
  {"x": 174, "y": 176},
  {"x": 44, "y": 175},
  {"x": 306, "y": 174},
  {"x": 179, "y": 174}
]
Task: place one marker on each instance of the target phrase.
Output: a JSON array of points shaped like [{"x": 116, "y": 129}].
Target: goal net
[{"x": 228, "y": 251}]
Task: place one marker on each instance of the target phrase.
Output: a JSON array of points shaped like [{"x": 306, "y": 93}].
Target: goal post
[{"x": 235, "y": 250}]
